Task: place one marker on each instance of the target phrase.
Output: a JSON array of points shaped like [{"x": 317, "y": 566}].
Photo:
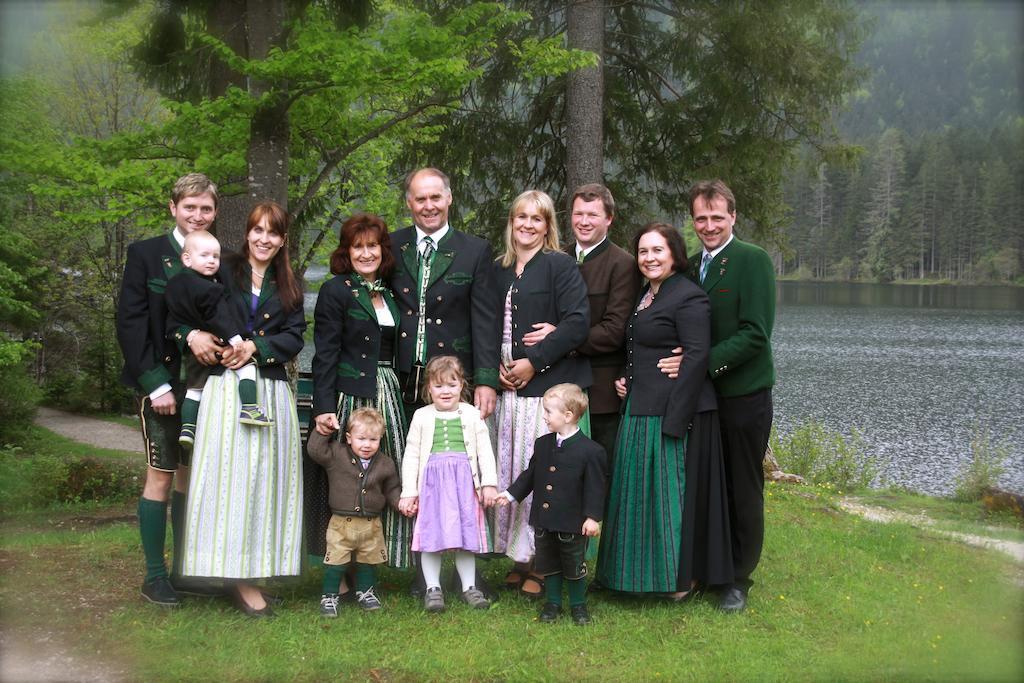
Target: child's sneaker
[
  {"x": 367, "y": 600},
  {"x": 433, "y": 600},
  {"x": 254, "y": 415},
  {"x": 187, "y": 438},
  {"x": 329, "y": 605},
  {"x": 475, "y": 598}
]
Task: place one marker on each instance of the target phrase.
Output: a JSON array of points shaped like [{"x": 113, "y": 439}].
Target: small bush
[
  {"x": 822, "y": 456},
  {"x": 41, "y": 480},
  {"x": 985, "y": 468},
  {"x": 19, "y": 396}
]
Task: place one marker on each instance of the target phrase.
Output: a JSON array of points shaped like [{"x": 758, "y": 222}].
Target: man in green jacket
[{"x": 739, "y": 279}]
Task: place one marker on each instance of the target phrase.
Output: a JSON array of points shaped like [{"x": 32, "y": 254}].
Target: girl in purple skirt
[{"x": 448, "y": 478}]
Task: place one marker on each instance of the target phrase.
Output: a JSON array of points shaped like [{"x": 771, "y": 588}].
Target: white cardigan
[{"x": 421, "y": 439}]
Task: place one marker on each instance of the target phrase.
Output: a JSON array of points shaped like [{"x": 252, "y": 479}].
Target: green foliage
[
  {"x": 31, "y": 477},
  {"x": 823, "y": 456},
  {"x": 984, "y": 469},
  {"x": 19, "y": 397}
]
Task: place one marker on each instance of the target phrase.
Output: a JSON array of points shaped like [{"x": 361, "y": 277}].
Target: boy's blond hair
[
  {"x": 191, "y": 185},
  {"x": 368, "y": 417},
  {"x": 571, "y": 397},
  {"x": 197, "y": 236}
]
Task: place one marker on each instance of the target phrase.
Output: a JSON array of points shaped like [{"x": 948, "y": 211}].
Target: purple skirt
[{"x": 450, "y": 515}]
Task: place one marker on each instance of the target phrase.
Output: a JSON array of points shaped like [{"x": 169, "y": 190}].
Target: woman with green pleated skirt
[{"x": 666, "y": 526}]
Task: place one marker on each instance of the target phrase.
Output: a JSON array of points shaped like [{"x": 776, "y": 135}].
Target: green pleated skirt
[{"x": 643, "y": 529}]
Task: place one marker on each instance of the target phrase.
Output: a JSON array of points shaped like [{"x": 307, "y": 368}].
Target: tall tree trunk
[
  {"x": 269, "y": 135},
  {"x": 226, "y": 20},
  {"x": 584, "y": 97}
]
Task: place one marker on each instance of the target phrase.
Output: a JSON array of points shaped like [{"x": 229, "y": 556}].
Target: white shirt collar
[
  {"x": 559, "y": 439},
  {"x": 581, "y": 250},
  {"x": 178, "y": 237},
  {"x": 716, "y": 251},
  {"x": 436, "y": 236}
]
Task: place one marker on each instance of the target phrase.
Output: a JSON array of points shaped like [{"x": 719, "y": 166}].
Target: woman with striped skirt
[
  {"x": 355, "y": 329},
  {"x": 667, "y": 483},
  {"x": 244, "y": 515}
]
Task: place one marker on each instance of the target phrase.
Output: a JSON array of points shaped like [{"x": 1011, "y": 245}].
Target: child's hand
[
  {"x": 408, "y": 506},
  {"x": 501, "y": 500},
  {"x": 591, "y": 528},
  {"x": 487, "y": 496}
]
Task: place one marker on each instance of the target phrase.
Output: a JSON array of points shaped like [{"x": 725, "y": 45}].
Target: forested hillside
[{"x": 936, "y": 192}]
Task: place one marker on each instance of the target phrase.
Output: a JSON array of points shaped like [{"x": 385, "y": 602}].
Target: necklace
[{"x": 256, "y": 274}]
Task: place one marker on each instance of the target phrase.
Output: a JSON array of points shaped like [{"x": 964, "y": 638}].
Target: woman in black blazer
[
  {"x": 355, "y": 331},
  {"x": 539, "y": 284},
  {"x": 667, "y": 524}
]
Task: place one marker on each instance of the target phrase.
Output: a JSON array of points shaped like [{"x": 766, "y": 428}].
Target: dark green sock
[
  {"x": 553, "y": 588},
  {"x": 189, "y": 413},
  {"x": 177, "y": 527},
  {"x": 333, "y": 574},
  {"x": 577, "y": 592},
  {"x": 153, "y": 531},
  {"x": 366, "y": 577},
  {"x": 247, "y": 392}
]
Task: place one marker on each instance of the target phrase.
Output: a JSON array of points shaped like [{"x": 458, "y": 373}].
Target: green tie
[
  {"x": 579, "y": 257},
  {"x": 704, "y": 263}
]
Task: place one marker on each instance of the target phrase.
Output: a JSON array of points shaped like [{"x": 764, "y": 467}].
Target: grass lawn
[{"x": 836, "y": 598}]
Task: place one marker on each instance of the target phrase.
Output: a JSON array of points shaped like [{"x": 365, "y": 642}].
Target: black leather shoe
[
  {"x": 202, "y": 588},
  {"x": 159, "y": 591},
  {"x": 249, "y": 611},
  {"x": 733, "y": 600},
  {"x": 580, "y": 615},
  {"x": 550, "y": 612}
]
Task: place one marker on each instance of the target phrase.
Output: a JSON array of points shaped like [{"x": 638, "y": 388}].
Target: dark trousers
[
  {"x": 604, "y": 428},
  {"x": 746, "y": 422}
]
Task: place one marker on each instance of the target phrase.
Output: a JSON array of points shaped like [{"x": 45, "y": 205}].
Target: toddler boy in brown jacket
[{"x": 360, "y": 485}]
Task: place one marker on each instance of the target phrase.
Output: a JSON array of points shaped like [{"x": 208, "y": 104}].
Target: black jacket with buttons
[
  {"x": 195, "y": 301},
  {"x": 461, "y": 307},
  {"x": 277, "y": 333},
  {"x": 679, "y": 316},
  {"x": 567, "y": 483},
  {"x": 549, "y": 290},
  {"x": 150, "y": 360},
  {"x": 347, "y": 338},
  {"x": 354, "y": 491}
]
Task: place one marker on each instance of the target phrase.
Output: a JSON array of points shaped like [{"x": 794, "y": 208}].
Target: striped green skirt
[
  {"x": 243, "y": 519},
  {"x": 643, "y": 529}
]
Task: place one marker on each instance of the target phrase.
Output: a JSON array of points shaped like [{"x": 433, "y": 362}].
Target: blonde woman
[{"x": 541, "y": 284}]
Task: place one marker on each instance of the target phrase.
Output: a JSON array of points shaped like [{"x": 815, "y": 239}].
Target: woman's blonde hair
[
  {"x": 546, "y": 208},
  {"x": 440, "y": 368}
]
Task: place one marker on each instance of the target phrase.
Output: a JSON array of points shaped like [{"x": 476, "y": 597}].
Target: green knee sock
[
  {"x": 247, "y": 392},
  {"x": 153, "y": 531},
  {"x": 177, "y": 527},
  {"x": 333, "y": 574},
  {"x": 366, "y": 577},
  {"x": 189, "y": 413},
  {"x": 577, "y": 592},
  {"x": 553, "y": 588}
]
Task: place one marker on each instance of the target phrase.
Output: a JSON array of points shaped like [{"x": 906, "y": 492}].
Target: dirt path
[
  {"x": 89, "y": 430},
  {"x": 876, "y": 514}
]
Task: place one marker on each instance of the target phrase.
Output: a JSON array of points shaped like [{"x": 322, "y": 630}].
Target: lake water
[{"x": 918, "y": 369}]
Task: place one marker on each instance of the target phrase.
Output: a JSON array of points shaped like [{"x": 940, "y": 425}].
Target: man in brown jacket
[{"x": 613, "y": 282}]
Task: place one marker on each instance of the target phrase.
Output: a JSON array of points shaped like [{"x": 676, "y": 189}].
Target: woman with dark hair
[
  {"x": 667, "y": 524},
  {"x": 355, "y": 328},
  {"x": 539, "y": 284},
  {"x": 243, "y": 516}
]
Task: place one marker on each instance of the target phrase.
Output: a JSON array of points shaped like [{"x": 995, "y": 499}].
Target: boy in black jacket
[
  {"x": 195, "y": 301},
  {"x": 360, "y": 485},
  {"x": 566, "y": 476}
]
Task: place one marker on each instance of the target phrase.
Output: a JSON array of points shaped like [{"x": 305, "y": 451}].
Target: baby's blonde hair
[
  {"x": 571, "y": 397},
  {"x": 368, "y": 417},
  {"x": 441, "y": 368},
  {"x": 197, "y": 236}
]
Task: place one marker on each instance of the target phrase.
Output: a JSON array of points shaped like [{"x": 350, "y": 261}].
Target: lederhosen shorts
[
  {"x": 160, "y": 436},
  {"x": 361, "y": 537},
  {"x": 560, "y": 552}
]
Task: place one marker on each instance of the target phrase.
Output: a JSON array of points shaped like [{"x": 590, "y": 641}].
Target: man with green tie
[{"x": 739, "y": 279}]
